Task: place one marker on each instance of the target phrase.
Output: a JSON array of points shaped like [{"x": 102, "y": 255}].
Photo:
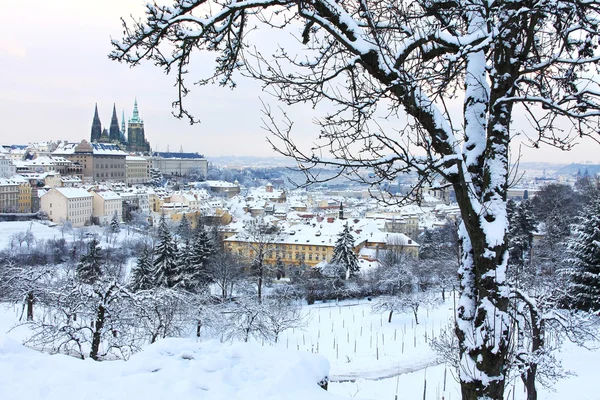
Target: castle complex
[{"x": 134, "y": 141}]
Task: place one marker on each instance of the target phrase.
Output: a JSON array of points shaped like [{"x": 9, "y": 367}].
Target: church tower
[
  {"x": 122, "y": 136},
  {"x": 136, "y": 136},
  {"x": 96, "y": 127},
  {"x": 114, "y": 133}
]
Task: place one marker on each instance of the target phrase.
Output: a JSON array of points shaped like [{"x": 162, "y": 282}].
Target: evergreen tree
[
  {"x": 279, "y": 268},
  {"x": 142, "y": 275},
  {"x": 115, "y": 227},
  {"x": 185, "y": 277},
  {"x": 520, "y": 238},
  {"x": 166, "y": 270},
  {"x": 202, "y": 249},
  {"x": 343, "y": 253},
  {"x": 584, "y": 248},
  {"x": 89, "y": 269},
  {"x": 184, "y": 229}
]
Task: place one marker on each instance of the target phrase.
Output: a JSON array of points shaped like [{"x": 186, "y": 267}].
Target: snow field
[{"x": 362, "y": 344}]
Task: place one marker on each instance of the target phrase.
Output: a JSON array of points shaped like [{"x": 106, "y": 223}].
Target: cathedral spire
[
  {"x": 96, "y": 126},
  {"x": 114, "y": 132},
  {"x": 136, "y": 115}
]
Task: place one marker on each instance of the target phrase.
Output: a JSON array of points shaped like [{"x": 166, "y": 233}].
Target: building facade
[
  {"x": 9, "y": 195},
  {"x": 138, "y": 170},
  {"x": 180, "y": 164},
  {"x": 105, "y": 204},
  {"x": 68, "y": 204},
  {"x": 101, "y": 162}
]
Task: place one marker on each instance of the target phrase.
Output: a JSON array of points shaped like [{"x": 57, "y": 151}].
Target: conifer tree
[
  {"x": 115, "y": 227},
  {"x": 584, "y": 248},
  {"x": 202, "y": 249},
  {"x": 184, "y": 229},
  {"x": 343, "y": 253},
  {"x": 142, "y": 275},
  {"x": 89, "y": 269},
  {"x": 279, "y": 268},
  {"x": 520, "y": 237},
  {"x": 188, "y": 273},
  {"x": 165, "y": 260}
]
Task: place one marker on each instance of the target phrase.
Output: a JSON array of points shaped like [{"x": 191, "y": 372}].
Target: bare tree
[
  {"x": 225, "y": 270},
  {"x": 24, "y": 284},
  {"x": 80, "y": 317},
  {"x": 414, "y": 59},
  {"x": 260, "y": 238},
  {"x": 164, "y": 312},
  {"x": 281, "y": 314}
]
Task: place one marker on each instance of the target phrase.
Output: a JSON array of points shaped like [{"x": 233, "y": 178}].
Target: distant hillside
[
  {"x": 250, "y": 161},
  {"x": 572, "y": 169}
]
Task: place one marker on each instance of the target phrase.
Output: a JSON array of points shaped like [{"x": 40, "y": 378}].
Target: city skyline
[{"x": 56, "y": 69}]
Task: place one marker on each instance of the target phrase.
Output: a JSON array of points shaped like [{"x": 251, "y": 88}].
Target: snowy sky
[{"x": 55, "y": 68}]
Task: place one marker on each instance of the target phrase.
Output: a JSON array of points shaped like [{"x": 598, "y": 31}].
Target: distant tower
[
  {"x": 341, "y": 213},
  {"x": 123, "y": 140},
  {"x": 96, "y": 126},
  {"x": 137, "y": 138},
  {"x": 114, "y": 133}
]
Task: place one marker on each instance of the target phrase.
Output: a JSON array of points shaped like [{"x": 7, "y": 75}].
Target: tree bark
[
  {"x": 30, "y": 299},
  {"x": 97, "y": 336}
]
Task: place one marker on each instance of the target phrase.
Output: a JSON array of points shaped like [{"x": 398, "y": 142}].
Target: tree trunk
[
  {"x": 96, "y": 337},
  {"x": 30, "y": 299},
  {"x": 482, "y": 322},
  {"x": 260, "y": 281},
  {"x": 528, "y": 379}
]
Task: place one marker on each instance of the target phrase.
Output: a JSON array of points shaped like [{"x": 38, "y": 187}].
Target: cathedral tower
[
  {"x": 136, "y": 136},
  {"x": 114, "y": 133},
  {"x": 96, "y": 126}
]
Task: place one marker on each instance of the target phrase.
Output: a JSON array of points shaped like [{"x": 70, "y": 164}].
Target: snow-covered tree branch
[{"x": 415, "y": 60}]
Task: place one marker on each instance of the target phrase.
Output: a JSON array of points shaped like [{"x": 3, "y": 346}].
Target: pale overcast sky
[{"x": 54, "y": 68}]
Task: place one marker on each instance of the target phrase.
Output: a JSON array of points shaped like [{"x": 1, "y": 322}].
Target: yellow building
[
  {"x": 24, "y": 201},
  {"x": 313, "y": 242},
  {"x": 9, "y": 195}
]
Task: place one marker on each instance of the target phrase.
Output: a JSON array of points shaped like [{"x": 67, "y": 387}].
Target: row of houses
[
  {"x": 102, "y": 162},
  {"x": 81, "y": 207}
]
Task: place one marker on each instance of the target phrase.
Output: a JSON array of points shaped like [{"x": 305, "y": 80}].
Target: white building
[
  {"x": 7, "y": 168},
  {"x": 68, "y": 204},
  {"x": 105, "y": 204},
  {"x": 179, "y": 164},
  {"x": 138, "y": 170}
]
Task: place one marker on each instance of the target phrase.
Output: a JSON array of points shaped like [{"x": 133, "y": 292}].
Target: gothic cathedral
[{"x": 136, "y": 138}]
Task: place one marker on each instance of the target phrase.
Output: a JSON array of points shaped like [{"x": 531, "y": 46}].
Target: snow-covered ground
[
  {"x": 185, "y": 368},
  {"x": 369, "y": 358},
  {"x": 169, "y": 369}
]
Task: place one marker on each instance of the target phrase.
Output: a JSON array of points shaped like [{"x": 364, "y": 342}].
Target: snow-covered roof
[
  {"x": 220, "y": 184},
  {"x": 97, "y": 148},
  {"x": 108, "y": 195},
  {"x": 323, "y": 233},
  {"x": 73, "y": 193}
]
